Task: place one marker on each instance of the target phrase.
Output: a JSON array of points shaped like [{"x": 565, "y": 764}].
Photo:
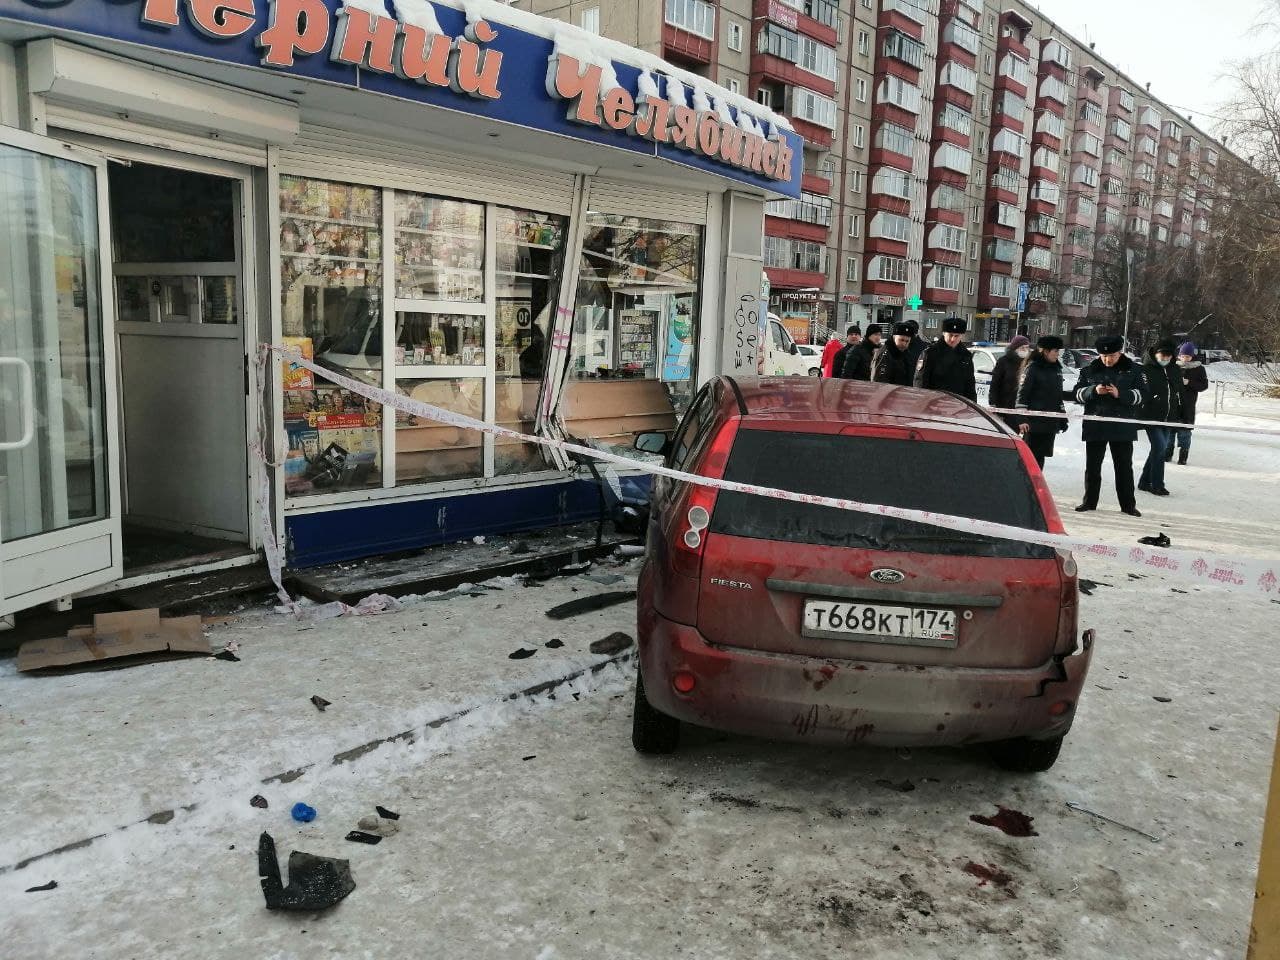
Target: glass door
[{"x": 59, "y": 501}]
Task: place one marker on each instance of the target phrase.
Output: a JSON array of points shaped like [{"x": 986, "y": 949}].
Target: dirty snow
[{"x": 531, "y": 829}]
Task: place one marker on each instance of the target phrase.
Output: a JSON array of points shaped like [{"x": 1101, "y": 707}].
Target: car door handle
[{"x": 28, "y": 403}]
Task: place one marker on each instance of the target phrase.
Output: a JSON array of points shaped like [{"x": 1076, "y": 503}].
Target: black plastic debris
[
  {"x": 226, "y": 655},
  {"x": 1087, "y": 586},
  {"x": 1163, "y": 699},
  {"x": 613, "y": 643},
  {"x": 359, "y": 836},
  {"x": 259, "y": 801},
  {"x": 599, "y": 601},
  {"x": 524, "y": 653},
  {"x": 51, "y": 885},
  {"x": 554, "y": 644},
  {"x": 529, "y": 757},
  {"x": 315, "y": 883},
  {"x": 904, "y": 786},
  {"x": 386, "y": 814},
  {"x": 320, "y": 702},
  {"x": 1160, "y": 540}
]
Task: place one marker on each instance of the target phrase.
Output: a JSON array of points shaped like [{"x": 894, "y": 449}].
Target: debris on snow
[
  {"x": 303, "y": 813},
  {"x": 590, "y": 604},
  {"x": 1079, "y": 808},
  {"x": 226, "y": 655},
  {"x": 988, "y": 874},
  {"x": 320, "y": 702},
  {"x": 554, "y": 644},
  {"x": 1163, "y": 699},
  {"x": 1160, "y": 540},
  {"x": 315, "y": 883},
  {"x": 904, "y": 786},
  {"x": 378, "y": 826},
  {"x": 613, "y": 643},
  {"x": 524, "y": 653},
  {"x": 259, "y": 801},
  {"x": 1012, "y": 822},
  {"x": 359, "y": 836},
  {"x": 386, "y": 814},
  {"x": 51, "y": 885}
]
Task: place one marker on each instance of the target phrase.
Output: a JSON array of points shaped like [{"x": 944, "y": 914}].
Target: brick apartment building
[{"x": 961, "y": 157}]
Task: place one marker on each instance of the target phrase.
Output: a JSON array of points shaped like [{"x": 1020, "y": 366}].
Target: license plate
[{"x": 880, "y": 623}]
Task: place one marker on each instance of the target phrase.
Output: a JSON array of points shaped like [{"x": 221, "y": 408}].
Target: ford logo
[{"x": 887, "y": 575}]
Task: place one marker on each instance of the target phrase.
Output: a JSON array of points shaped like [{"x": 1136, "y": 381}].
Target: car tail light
[
  {"x": 683, "y": 681},
  {"x": 693, "y": 511},
  {"x": 1067, "y": 575},
  {"x": 1053, "y": 522}
]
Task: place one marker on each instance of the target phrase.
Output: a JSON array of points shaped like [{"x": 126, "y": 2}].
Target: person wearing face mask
[
  {"x": 893, "y": 360},
  {"x": 1163, "y": 404},
  {"x": 947, "y": 363},
  {"x": 1111, "y": 386},
  {"x": 1006, "y": 377},
  {"x": 1194, "y": 382},
  {"x": 1041, "y": 389}
]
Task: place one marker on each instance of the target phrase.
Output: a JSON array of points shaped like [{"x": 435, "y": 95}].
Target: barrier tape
[
  {"x": 1171, "y": 424},
  {"x": 1250, "y": 575}
]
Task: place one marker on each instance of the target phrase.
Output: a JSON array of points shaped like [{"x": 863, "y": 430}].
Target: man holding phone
[{"x": 1110, "y": 386}]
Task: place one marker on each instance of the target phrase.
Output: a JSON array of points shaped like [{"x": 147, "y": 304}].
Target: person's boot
[
  {"x": 1168, "y": 455},
  {"x": 1131, "y": 511},
  {"x": 1182, "y": 456}
]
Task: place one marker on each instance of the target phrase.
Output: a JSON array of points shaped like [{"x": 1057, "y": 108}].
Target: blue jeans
[
  {"x": 1153, "y": 470},
  {"x": 1184, "y": 439}
]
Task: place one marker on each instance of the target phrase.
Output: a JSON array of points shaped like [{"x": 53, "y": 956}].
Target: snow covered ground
[{"x": 531, "y": 830}]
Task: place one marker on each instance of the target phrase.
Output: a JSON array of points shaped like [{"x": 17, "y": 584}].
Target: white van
[{"x": 783, "y": 357}]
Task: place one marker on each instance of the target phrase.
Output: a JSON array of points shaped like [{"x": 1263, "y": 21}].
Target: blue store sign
[{"x": 436, "y": 55}]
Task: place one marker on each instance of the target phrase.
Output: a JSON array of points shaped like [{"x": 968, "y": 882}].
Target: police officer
[
  {"x": 893, "y": 360},
  {"x": 947, "y": 364},
  {"x": 1111, "y": 386}
]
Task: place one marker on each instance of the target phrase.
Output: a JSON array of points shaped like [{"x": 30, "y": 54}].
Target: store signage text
[
  {"x": 783, "y": 15},
  {"x": 698, "y": 131},
  {"x": 359, "y": 38}
]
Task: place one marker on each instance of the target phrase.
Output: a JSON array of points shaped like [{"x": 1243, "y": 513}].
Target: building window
[
  {"x": 890, "y": 226},
  {"x": 1000, "y": 285},
  {"x": 855, "y": 225},
  {"x": 953, "y": 118},
  {"x": 901, "y": 47},
  {"x": 813, "y": 107},
  {"x": 946, "y": 237},
  {"x": 809, "y": 208},
  {"x": 947, "y": 197},
  {"x": 1015, "y": 68},
  {"x": 795, "y": 254},
  {"x": 971, "y": 286},
  {"x": 851, "y": 269},
  {"x": 733, "y": 86},
  {"x": 764, "y": 96},
  {"x": 855, "y": 181},
  {"x": 817, "y": 58},
  {"x": 893, "y": 269},
  {"x": 951, "y": 157},
  {"x": 988, "y": 64},
  {"x": 860, "y": 87},
  {"x": 1006, "y": 141},
  {"x": 959, "y": 76},
  {"x": 1051, "y": 124},
  {"x": 694, "y": 16},
  {"x": 589, "y": 20},
  {"x": 986, "y": 103},
  {"x": 900, "y": 93},
  {"x": 895, "y": 138},
  {"x": 893, "y": 183},
  {"x": 1088, "y": 143},
  {"x": 864, "y": 42},
  {"x": 1005, "y": 178},
  {"x": 943, "y": 277},
  {"x": 734, "y": 37},
  {"x": 859, "y": 135},
  {"x": 1054, "y": 89},
  {"x": 973, "y": 250}
]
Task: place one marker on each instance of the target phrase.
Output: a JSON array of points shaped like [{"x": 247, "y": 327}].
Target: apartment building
[{"x": 961, "y": 157}]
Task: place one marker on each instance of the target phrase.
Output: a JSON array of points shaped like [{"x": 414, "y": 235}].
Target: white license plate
[{"x": 880, "y": 623}]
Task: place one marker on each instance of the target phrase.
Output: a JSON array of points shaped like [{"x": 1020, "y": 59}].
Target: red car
[{"x": 793, "y": 621}]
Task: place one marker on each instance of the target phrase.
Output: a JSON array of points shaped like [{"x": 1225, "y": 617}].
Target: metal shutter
[
  {"x": 646, "y": 200},
  {"x": 75, "y": 120},
  {"x": 332, "y": 153}
]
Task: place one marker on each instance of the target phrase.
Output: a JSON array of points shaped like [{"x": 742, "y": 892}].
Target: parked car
[
  {"x": 794, "y": 621},
  {"x": 782, "y": 354},
  {"x": 984, "y": 362},
  {"x": 815, "y": 358},
  {"x": 1216, "y": 356}
]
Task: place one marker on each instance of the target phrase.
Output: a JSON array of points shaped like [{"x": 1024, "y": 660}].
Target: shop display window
[
  {"x": 428, "y": 451},
  {"x": 331, "y": 307},
  {"x": 635, "y": 320},
  {"x": 530, "y": 262},
  {"x": 439, "y": 339},
  {"x": 439, "y": 249}
]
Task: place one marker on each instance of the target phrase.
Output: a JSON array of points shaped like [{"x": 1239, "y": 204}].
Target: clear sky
[{"x": 1182, "y": 47}]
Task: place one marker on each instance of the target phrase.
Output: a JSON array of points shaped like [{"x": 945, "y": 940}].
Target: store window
[
  {"x": 331, "y": 307},
  {"x": 635, "y": 327}
]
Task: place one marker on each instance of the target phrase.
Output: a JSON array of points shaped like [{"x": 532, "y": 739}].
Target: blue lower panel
[{"x": 336, "y": 535}]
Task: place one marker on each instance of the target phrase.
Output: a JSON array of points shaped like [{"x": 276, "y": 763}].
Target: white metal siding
[
  {"x": 645, "y": 200},
  {"x": 331, "y": 153},
  {"x": 109, "y": 126}
]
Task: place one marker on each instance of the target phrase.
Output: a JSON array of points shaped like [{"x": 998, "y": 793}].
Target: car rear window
[{"x": 984, "y": 483}]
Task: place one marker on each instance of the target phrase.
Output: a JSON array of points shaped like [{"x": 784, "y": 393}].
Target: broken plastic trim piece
[{"x": 315, "y": 883}]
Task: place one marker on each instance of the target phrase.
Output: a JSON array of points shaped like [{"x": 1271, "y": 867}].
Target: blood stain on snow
[
  {"x": 988, "y": 873},
  {"x": 1012, "y": 822}
]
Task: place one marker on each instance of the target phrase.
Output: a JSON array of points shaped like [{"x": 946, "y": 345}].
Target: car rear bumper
[{"x": 790, "y": 697}]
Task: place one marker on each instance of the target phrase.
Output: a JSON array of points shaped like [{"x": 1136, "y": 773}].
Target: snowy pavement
[{"x": 530, "y": 829}]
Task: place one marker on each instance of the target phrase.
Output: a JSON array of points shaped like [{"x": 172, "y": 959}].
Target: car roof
[{"x": 808, "y": 399}]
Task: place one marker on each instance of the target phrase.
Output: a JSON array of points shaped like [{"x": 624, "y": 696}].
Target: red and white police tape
[
  {"x": 1171, "y": 424},
  {"x": 1258, "y": 576}
]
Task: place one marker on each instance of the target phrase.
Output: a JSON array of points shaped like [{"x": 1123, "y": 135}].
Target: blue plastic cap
[{"x": 302, "y": 813}]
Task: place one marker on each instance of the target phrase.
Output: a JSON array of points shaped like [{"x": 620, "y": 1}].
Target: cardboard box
[{"x": 117, "y": 640}]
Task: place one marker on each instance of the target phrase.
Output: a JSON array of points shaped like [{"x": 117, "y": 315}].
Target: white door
[{"x": 59, "y": 484}]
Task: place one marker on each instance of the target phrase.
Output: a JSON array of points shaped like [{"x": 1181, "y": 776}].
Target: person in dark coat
[
  {"x": 1111, "y": 386},
  {"x": 1006, "y": 375},
  {"x": 1164, "y": 404},
  {"x": 1041, "y": 389},
  {"x": 893, "y": 360},
  {"x": 834, "y": 348},
  {"x": 856, "y": 364},
  {"x": 1194, "y": 382},
  {"x": 918, "y": 346},
  {"x": 947, "y": 363}
]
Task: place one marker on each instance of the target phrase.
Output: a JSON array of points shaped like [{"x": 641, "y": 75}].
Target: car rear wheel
[
  {"x": 814, "y": 371},
  {"x": 652, "y": 732},
  {"x": 1026, "y": 756}
]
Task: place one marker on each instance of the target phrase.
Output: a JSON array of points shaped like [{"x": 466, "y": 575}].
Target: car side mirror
[
  {"x": 656, "y": 443},
  {"x": 795, "y": 350}
]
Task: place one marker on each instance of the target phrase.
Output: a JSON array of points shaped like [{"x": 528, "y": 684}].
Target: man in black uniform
[
  {"x": 857, "y": 360},
  {"x": 947, "y": 363},
  {"x": 917, "y": 348},
  {"x": 1111, "y": 386},
  {"x": 893, "y": 361}
]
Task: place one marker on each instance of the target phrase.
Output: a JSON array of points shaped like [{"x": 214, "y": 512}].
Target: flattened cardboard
[{"x": 117, "y": 640}]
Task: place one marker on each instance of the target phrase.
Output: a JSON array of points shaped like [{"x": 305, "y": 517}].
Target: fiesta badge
[{"x": 887, "y": 575}]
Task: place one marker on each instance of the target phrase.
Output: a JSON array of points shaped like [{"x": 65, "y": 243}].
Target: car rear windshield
[{"x": 985, "y": 483}]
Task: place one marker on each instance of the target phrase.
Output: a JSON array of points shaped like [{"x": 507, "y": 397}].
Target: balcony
[
  {"x": 914, "y": 10},
  {"x": 688, "y": 32},
  {"x": 766, "y": 66},
  {"x": 814, "y": 18},
  {"x": 963, "y": 36},
  {"x": 816, "y": 183}
]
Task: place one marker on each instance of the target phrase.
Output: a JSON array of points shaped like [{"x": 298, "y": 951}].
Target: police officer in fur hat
[
  {"x": 947, "y": 363},
  {"x": 892, "y": 363},
  {"x": 1112, "y": 386}
]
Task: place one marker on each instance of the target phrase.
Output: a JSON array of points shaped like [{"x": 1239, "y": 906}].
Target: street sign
[
  {"x": 1024, "y": 289},
  {"x": 915, "y": 303}
]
